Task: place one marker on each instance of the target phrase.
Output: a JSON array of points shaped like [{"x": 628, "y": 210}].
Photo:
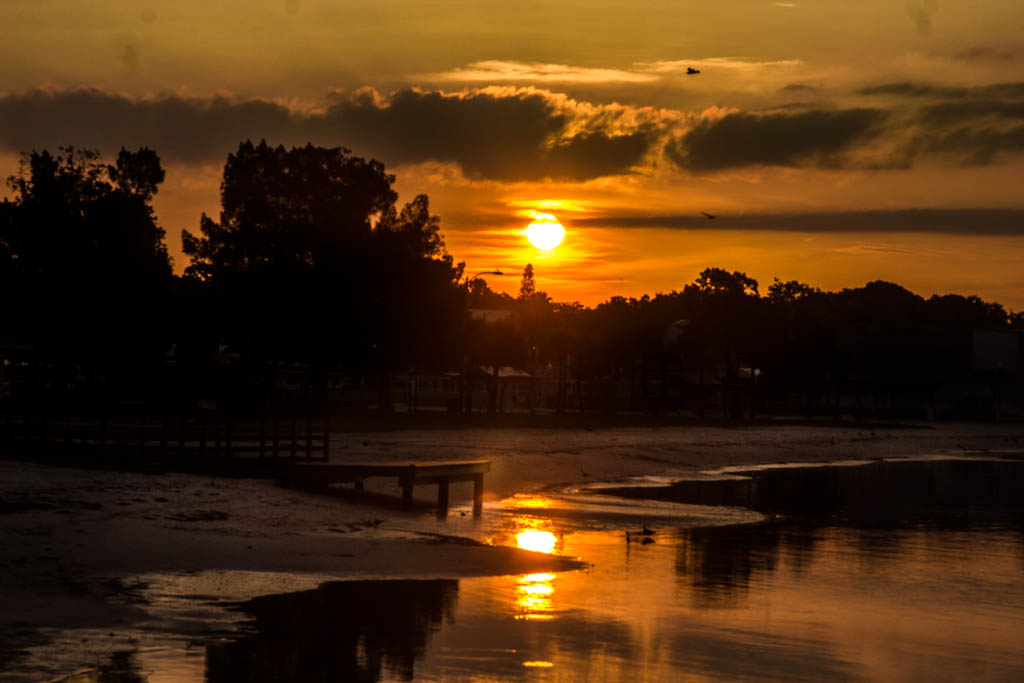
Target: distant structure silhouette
[
  {"x": 709, "y": 216},
  {"x": 690, "y": 71}
]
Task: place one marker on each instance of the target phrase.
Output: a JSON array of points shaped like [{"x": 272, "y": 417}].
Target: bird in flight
[
  {"x": 691, "y": 71},
  {"x": 710, "y": 217}
]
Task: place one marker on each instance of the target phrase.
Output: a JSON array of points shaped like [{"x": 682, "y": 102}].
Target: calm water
[{"x": 911, "y": 596}]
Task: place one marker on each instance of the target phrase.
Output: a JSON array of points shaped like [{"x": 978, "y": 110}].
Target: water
[
  {"x": 764, "y": 602},
  {"x": 926, "y": 587}
]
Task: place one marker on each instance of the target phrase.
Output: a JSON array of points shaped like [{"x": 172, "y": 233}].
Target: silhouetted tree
[
  {"x": 311, "y": 261},
  {"x": 790, "y": 291},
  {"x": 290, "y": 209},
  {"x": 721, "y": 281},
  {"x": 728, "y": 323},
  {"x": 80, "y": 242},
  {"x": 527, "y": 286}
]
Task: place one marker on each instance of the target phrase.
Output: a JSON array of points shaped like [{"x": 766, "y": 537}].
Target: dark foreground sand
[{"x": 73, "y": 543}]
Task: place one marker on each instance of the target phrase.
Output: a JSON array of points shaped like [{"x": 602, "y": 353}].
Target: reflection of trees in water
[
  {"x": 347, "y": 631},
  {"x": 893, "y": 492},
  {"x": 718, "y": 562},
  {"x": 717, "y": 565}
]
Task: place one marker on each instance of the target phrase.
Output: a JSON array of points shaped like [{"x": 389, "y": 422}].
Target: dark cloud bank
[
  {"x": 774, "y": 139},
  {"x": 524, "y": 134},
  {"x": 994, "y": 222},
  {"x": 914, "y": 89},
  {"x": 497, "y": 137}
]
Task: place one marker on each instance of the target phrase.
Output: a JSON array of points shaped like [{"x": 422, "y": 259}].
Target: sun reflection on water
[
  {"x": 523, "y": 500},
  {"x": 534, "y": 597},
  {"x": 537, "y": 541},
  {"x": 534, "y": 592}
]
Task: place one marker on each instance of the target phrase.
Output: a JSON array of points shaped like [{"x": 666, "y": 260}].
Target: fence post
[
  {"x": 43, "y": 424},
  {"x": 327, "y": 439},
  {"x": 67, "y": 425},
  {"x": 309, "y": 437},
  {"x": 142, "y": 436},
  {"x": 163, "y": 435}
]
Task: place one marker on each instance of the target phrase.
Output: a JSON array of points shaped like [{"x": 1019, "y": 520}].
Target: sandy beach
[{"x": 76, "y": 543}]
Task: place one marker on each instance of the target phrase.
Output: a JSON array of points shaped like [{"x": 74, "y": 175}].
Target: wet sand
[{"x": 73, "y": 543}]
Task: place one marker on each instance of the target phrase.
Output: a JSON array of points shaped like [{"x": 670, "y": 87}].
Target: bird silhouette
[
  {"x": 711, "y": 217},
  {"x": 691, "y": 71}
]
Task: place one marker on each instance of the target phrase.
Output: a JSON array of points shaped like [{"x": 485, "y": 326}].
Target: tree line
[{"x": 312, "y": 260}]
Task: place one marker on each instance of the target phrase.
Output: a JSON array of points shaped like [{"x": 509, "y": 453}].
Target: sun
[{"x": 545, "y": 232}]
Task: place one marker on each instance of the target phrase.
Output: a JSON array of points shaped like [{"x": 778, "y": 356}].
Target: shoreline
[{"x": 75, "y": 540}]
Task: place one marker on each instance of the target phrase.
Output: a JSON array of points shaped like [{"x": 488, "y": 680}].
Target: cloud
[
  {"x": 1006, "y": 222},
  {"x": 179, "y": 128},
  {"x": 916, "y": 89},
  {"x": 513, "y": 133},
  {"x": 958, "y": 112},
  {"x": 496, "y": 71},
  {"x": 781, "y": 138},
  {"x": 503, "y": 134},
  {"x": 489, "y": 136},
  {"x": 976, "y": 125},
  {"x": 971, "y": 146},
  {"x": 983, "y": 52},
  {"x": 595, "y": 154},
  {"x": 911, "y": 89},
  {"x": 732, "y": 64},
  {"x": 800, "y": 88}
]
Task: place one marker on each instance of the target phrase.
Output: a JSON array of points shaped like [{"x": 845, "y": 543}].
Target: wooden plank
[
  {"x": 435, "y": 468},
  {"x": 448, "y": 477}
]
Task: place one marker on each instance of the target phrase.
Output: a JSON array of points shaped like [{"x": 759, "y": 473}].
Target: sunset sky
[{"x": 835, "y": 142}]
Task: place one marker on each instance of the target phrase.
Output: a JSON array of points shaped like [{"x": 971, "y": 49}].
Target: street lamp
[{"x": 484, "y": 272}]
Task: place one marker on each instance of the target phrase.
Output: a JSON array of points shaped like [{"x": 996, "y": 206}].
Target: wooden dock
[{"x": 408, "y": 474}]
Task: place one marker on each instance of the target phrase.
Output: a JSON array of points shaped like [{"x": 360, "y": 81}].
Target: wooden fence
[{"x": 196, "y": 436}]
